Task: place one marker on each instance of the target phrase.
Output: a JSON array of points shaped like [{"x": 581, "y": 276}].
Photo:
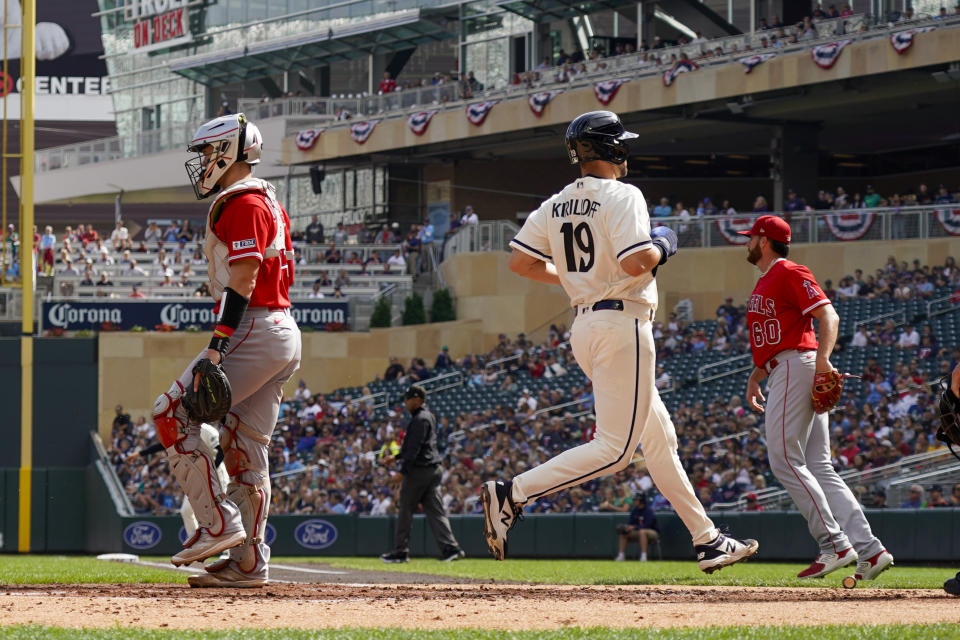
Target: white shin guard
[
  {"x": 253, "y": 501},
  {"x": 193, "y": 467}
]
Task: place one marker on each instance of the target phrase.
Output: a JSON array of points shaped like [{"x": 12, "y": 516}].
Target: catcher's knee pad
[
  {"x": 169, "y": 416},
  {"x": 235, "y": 458},
  {"x": 196, "y": 475}
]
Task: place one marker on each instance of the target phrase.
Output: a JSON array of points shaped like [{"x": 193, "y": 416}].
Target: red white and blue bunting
[
  {"x": 682, "y": 66},
  {"x": 850, "y": 226},
  {"x": 826, "y": 55},
  {"x": 478, "y": 111},
  {"x": 751, "y": 62},
  {"x": 730, "y": 229},
  {"x": 419, "y": 121},
  {"x": 949, "y": 219},
  {"x": 903, "y": 40},
  {"x": 307, "y": 139},
  {"x": 362, "y": 130},
  {"x": 539, "y": 101},
  {"x": 607, "y": 91}
]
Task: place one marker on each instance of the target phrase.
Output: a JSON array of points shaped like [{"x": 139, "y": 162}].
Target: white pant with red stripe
[
  {"x": 799, "y": 448},
  {"x": 615, "y": 349}
]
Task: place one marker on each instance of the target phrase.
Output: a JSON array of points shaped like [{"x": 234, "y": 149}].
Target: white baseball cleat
[
  {"x": 227, "y": 575},
  {"x": 203, "y": 545},
  {"x": 723, "y": 552},
  {"x": 499, "y": 514},
  {"x": 872, "y": 567},
  {"x": 828, "y": 563}
]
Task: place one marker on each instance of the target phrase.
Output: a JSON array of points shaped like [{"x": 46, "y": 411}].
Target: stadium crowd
[{"x": 327, "y": 449}]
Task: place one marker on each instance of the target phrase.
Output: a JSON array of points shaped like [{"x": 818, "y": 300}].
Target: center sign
[{"x": 158, "y": 23}]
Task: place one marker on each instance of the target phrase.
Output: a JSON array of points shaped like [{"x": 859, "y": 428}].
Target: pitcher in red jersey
[{"x": 780, "y": 316}]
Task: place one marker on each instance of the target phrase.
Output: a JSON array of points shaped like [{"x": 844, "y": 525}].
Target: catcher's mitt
[
  {"x": 949, "y": 430},
  {"x": 827, "y": 387},
  {"x": 211, "y": 402}
]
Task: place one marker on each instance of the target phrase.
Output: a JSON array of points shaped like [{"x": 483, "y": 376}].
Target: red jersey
[
  {"x": 778, "y": 314},
  {"x": 247, "y": 227}
]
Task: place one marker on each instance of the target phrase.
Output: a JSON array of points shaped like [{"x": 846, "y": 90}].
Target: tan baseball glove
[{"x": 827, "y": 388}]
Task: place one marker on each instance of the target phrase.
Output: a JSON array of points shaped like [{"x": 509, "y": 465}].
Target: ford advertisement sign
[
  {"x": 142, "y": 535},
  {"x": 315, "y": 534},
  {"x": 123, "y": 315}
]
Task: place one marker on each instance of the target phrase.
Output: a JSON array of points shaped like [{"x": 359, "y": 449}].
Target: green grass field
[
  {"x": 39, "y": 569},
  {"x": 748, "y": 574}
]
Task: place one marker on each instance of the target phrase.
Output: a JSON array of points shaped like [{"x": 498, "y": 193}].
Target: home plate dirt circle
[{"x": 475, "y": 605}]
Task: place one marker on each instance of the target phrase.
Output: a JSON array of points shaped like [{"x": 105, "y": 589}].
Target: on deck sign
[
  {"x": 159, "y": 29},
  {"x": 158, "y": 23}
]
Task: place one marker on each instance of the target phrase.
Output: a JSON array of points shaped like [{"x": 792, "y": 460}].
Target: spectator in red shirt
[{"x": 388, "y": 84}]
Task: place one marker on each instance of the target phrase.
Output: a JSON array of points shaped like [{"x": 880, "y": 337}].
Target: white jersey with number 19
[{"x": 586, "y": 230}]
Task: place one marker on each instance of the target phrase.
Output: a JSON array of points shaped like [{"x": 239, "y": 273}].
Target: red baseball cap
[{"x": 772, "y": 227}]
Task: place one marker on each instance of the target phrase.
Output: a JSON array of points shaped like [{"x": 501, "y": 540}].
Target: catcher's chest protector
[{"x": 216, "y": 251}]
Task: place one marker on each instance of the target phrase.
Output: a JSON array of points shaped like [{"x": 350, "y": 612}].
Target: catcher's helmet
[
  {"x": 233, "y": 138},
  {"x": 601, "y": 135}
]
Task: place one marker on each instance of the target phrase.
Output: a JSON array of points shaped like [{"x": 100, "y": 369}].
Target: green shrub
[
  {"x": 441, "y": 310},
  {"x": 381, "y": 313},
  {"x": 413, "y": 311}
]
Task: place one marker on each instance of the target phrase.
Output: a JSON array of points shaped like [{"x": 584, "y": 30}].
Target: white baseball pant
[{"x": 616, "y": 351}]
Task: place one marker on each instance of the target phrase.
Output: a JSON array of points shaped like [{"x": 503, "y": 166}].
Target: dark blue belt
[
  {"x": 612, "y": 305},
  {"x": 615, "y": 305}
]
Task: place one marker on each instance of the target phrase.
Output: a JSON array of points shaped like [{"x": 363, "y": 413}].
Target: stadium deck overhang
[
  {"x": 399, "y": 31},
  {"x": 540, "y": 10}
]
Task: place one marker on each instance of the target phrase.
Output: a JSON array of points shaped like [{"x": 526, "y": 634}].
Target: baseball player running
[
  {"x": 780, "y": 317},
  {"x": 594, "y": 239},
  {"x": 250, "y": 266}
]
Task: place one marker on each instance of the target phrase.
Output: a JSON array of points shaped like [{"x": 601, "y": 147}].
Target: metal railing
[
  {"x": 488, "y": 235},
  {"x": 121, "y": 501},
  {"x": 443, "y": 382},
  {"x": 777, "y": 496},
  {"x": 950, "y": 306},
  {"x": 732, "y": 436},
  {"x": 734, "y": 361},
  {"x": 898, "y": 313},
  {"x": 898, "y": 489}
]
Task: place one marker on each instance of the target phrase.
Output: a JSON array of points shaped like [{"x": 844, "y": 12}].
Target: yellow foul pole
[{"x": 28, "y": 71}]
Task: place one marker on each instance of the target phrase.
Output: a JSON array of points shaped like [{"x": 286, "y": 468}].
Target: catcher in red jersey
[
  {"x": 785, "y": 348},
  {"x": 254, "y": 350}
]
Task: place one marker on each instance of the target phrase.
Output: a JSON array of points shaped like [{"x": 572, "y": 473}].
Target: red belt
[{"x": 772, "y": 363}]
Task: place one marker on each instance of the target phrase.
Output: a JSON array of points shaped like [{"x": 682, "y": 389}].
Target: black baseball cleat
[
  {"x": 723, "y": 552},
  {"x": 395, "y": 557},
  {"x": 453, "y": 554},
  {"x": 952, "y": 586},
  {"x": 499, "y": 514}
]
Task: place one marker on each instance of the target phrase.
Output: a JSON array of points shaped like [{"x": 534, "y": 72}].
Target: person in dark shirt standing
[
  {"x": 420, "y": 467},
  {"x": 314, "y": 231},
  {"x": 641, "y": 528}
]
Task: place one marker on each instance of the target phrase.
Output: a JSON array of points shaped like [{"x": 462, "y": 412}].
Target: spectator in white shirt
[
  {"x": 526, "y": 403},
  {"x": 860, "y": 338},
  {"x": 316, "y": 293},
  {"x": 153, "y": 234},
  {"x": 133, "y": 270},
  {"x": 663, "y": 380},
  {"x": 847, "y": 289},
  {"x": 469, "y": 216},
  {"x": 397, "y": 260},
  {"x": 120, "y": 238},
  {"x": 909, "y": 339}
]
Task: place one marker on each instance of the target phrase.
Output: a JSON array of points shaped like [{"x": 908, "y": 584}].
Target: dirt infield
[{"x": 444, "y": 606}]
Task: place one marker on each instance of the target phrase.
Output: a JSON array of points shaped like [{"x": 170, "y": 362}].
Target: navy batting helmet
[{"x": 600, "y": 135}]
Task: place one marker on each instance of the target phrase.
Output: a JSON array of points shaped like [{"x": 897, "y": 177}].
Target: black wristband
[
  {"x": 232, "y": 307},
  {"x": 663, "y": 251}
]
